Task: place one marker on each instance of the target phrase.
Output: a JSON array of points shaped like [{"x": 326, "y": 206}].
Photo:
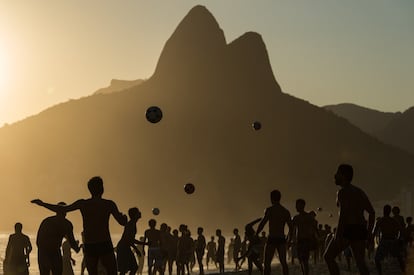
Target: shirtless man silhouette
[
  {"x": 352, "y": 229},
  {"x": 96, "y": 212},
  {"x": 49, "y": 238},
  {"x": 304, "y": 234},
  {"x": 153, "y": 237},
  {"x": 388, "y": 229},
  {"x": 278, "y": 217}
]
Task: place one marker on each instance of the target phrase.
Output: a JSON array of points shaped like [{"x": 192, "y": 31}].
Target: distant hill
[
  {"x": 210, "y": 92},
  {"x": 119, "y": 85},
  {"x": 400, "y": 131},
  {"x": 368, "y": 120},
  {"x": 396, "y": 129}
]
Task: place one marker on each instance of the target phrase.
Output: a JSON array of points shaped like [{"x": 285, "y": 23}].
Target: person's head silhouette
[
  {"x": 134, "y": 214},
  {"x": 275, "y": 196},
  {"x": 300, "y": 205},
  {"x": 18, "y": 227},
  {"x": 95, "y": 186},
  {"x": 387, "y": 210},
  {"x": 344, "y": 175},
  {"x": 61, "y": 212}
]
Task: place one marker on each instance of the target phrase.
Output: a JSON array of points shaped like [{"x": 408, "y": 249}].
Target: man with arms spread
[
  {"x": 352, "y": 229},
  {"x": 278, "y": 217},
  {"x": 95, "y": 214}
]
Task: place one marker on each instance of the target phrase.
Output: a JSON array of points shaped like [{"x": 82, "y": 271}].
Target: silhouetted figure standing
[
  {"x": 254, "y": 249},
  {"x": 409, "y": 230},
  {"x": 211, "y": 252},
  {"x": 200, "y": 249},
  {"x": 230, "y": 250},
  {"x": 153, "y": 238},
  {"x": 236, "y": 248},
  {"x": 220, "y": 250},
  {"x": 352, "y": 229},
  {"x": 388, "y": 230},
  {"x": 125, "y": 257},
  {"x": 96, "y": 212},
  {"x": 49, "y": 238},
  {"x": 278, "y": 217},
  {"x": 172, "y": 250},
  {"x": 185, "y": 250},
  {"x": 16, "y": 261},
  {"x": 304, "y": 234}
]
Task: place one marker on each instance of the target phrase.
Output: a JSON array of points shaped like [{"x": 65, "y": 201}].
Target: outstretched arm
[
  {"x": 119, "y": 217},
  {"x": 57, "y": 208},
  {"x": 263, "y": 222}
]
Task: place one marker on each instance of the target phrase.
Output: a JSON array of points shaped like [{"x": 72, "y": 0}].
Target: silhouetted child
[
  {"x": 254, "y": 248},
  {"x": 125, "y": 257}
]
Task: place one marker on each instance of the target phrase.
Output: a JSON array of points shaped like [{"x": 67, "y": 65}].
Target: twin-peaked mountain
[{"x": 210, "y": 92}]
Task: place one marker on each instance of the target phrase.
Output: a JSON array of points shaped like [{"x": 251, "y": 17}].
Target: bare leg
[
  {"x": 281, "y": 250},
  {"x": 335, "y": 247},
  {"x": 358, "y": 250}
]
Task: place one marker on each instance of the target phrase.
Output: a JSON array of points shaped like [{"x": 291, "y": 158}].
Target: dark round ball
[
  {"x": 153, "y": 114},
  {"x": 155, "y": 211},
  {"x": 189, "y": 188},
  {"x": 319, "y": 209},
  {"x": 257, "y": 125}
]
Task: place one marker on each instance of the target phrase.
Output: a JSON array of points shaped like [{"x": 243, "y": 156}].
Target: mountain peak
[{"x": 195, "y": 42}]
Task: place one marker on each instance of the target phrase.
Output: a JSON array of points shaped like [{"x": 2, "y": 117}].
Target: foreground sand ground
[{"x": 390, "y": 267}]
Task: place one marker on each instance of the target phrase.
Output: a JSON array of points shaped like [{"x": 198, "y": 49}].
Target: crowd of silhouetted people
[{"x": 178, "y": 250}]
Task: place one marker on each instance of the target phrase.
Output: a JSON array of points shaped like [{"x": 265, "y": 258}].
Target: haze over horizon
[{"x": 326, "y": 53}]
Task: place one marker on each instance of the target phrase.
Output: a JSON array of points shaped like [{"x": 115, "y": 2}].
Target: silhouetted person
[
  {"x": 304, "y": 234},
  {"x": 211, "y": 252},
  {"x": 49, "y": 238},
  {"x": 278, "y": 217},
  {"x": 352, "y": 227},
  {"x": 96, "y": 212},
  {"x": 18, "y": 249},
  {"x": 254, "y": 249},
  {"x": 388, "y": 230},
  {"x": 153, "y": 238},
  {"x": 220, "y": 250},
  {"x": 67, "y": 260},
  {"x": 172, "y": 250},
  {"x": 125, "y": 257},
  {"x": 400, "y": 219},
  {"x": 200, "y": 249},
  {"x": 236, "y": 248},
  {"x": 243, "y": 251},
  {"x": 409, "y": 230},
  {"x": 164, "y": 242},
  {"x": 185, "y": 250},
  {"x": 230, "y": 250}
]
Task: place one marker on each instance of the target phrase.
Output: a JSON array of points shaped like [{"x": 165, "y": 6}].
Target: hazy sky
[{"x": 322, "y": 51}]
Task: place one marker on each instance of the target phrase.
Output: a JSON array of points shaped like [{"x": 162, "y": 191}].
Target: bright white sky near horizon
[{"x": 325, "y": 52}]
